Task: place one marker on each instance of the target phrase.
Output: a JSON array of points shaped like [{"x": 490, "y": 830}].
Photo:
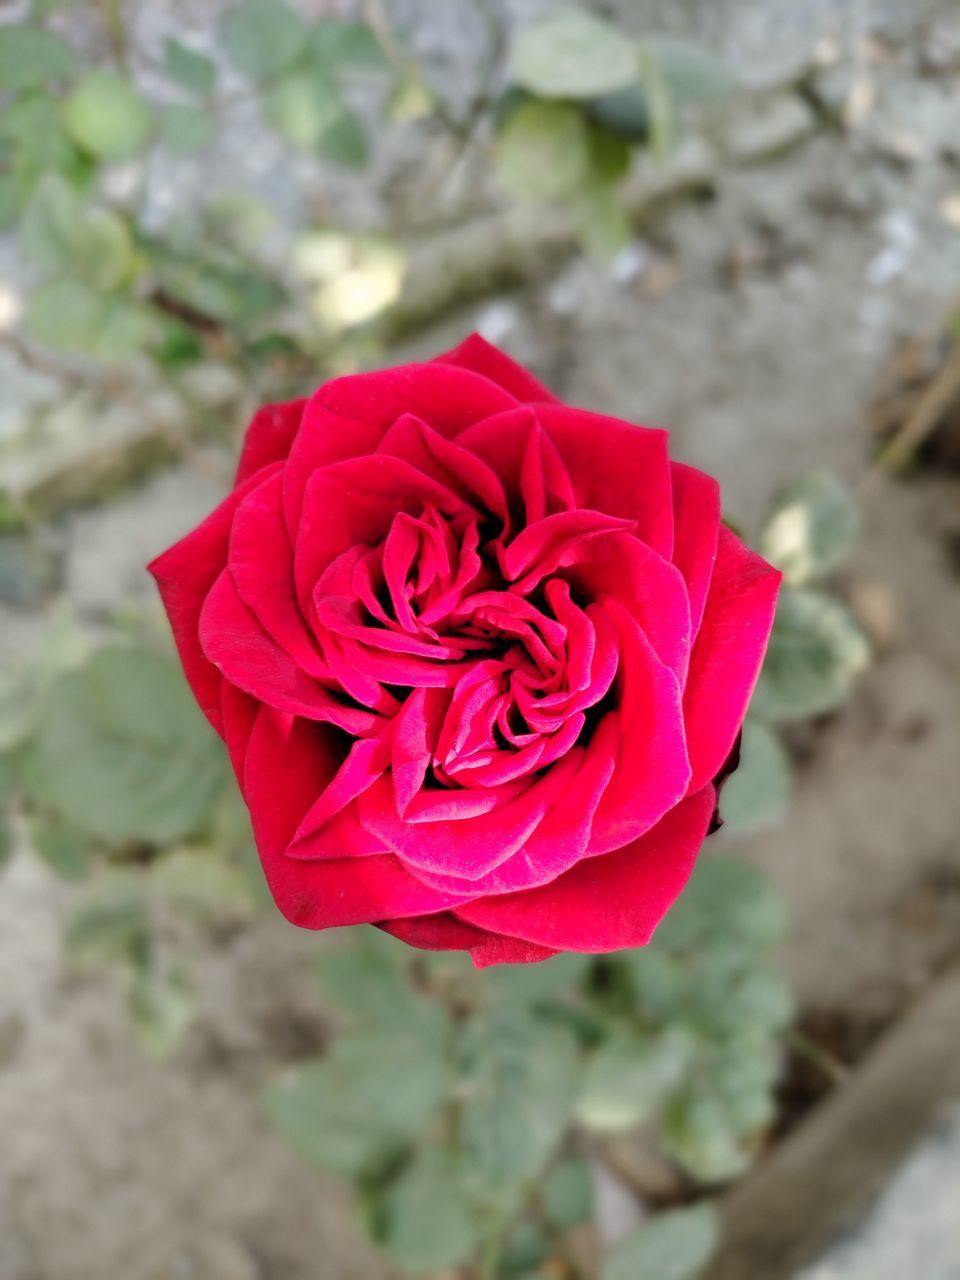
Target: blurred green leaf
[
  {"x": 625, "y": 113},
  {"x": 676, "y": 1245},
  {"x": 567, "y": 1195},
  {"x": 411, "y": 98},
  {"x": 367, "y": 978},
  {"x": 371, "y": 1095},
  {"x": 122, "y": 752},
  {"x": 528, "y": 983},
  {"x": 693, "y": 76},
  {"x": 263, "y": 37},
  {"x": 812, "y": 528},
  {"x": 701, "y": 1134},
  {"x": 33, "y": 136},
  {"x": 186, "y": 129},
  {"x": 602, "y": 221},
  {"x": 525, "y": 1246},
  {"x": 162, "y": 1006},
  {"x": 815, "y": 654},
  {"x": 6, "y": 839},
  {"x": 630, "y": 1076},
  {"x": 63, "y": 235},
  {"x": 106, "y": 116},
  {"x": 543, "y": 151},
  {"x": 345, "y": 141},
  {"x": 725, "y": 899},
  {"x": 189, "y": 68},
  {"x": 302, "y": 107},
  {"x": 112, "y": 924},
  {"x": 758, "y": 793},
  {"x": 203, "y": 882},
  {"x": 519, "y": 1078},
  {"x": 67, "y": 315},
  {"x": 229, "y": 293},
  {"x": 31, "y": 56},
  {"x": 335, "y": 44},
  {"x": 427, "y": 1221},
  {"x": 64, "y": 848},
  {"x": 573, "y": 55}
]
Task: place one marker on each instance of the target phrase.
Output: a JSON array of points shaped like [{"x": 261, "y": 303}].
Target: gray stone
[{"x": 768, "y": 128}]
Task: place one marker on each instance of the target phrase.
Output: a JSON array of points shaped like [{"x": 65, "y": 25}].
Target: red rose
[{"x": 478, "y": 658}]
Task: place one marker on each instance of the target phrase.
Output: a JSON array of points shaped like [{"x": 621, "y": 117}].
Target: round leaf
[
  {"x": 336, "y": 44},
  {"x": 815, "y": 654},
  {"x": 302, "y": 107},
  {"x": 573, "y": 55},
  {"x": 30, "y": 56},
  {"x": 63, "y": 848},
  {"x": 62, "y": 235},
  {"x": 428, "y": 1223},
  {"x": 672, "y": 1246},
  {"x": 188, "y": 68},
  {"x": 567, "y": 1194},
  {"x": 345, "y": 141},
  {"x": 122, "y": 753},
  {"x": 543, "y": 151},
  {"x": 726, "y": 899},
  {"x": 757, "y": 794},
  {"x": 629, "y": 1076},
  {"x": 813, "y": 527},
  {"x": 263, "y": 37},
  {"x": 186, "y": 129},
  {"x": 106, "y": 116}
]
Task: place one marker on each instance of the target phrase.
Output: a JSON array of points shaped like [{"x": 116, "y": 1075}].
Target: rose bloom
[{"x": 479, "y": 658}]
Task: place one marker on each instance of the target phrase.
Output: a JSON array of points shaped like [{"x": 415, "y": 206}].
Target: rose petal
[
  {"x": 696, "y": 517},
  {"x": 444, "y": 932},
  {"x": 728, "y": 653},
  {"x": 606, "y": 903},
  {"x": 478, "y": 355},
  {"x": 269, "y": 437}
]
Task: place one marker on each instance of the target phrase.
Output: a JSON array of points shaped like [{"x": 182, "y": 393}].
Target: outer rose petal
[
  {"x": 610, "y": 902},
  {"x": 696, "y": 515},
  {"x": 317, "y": 895},
  {"x": 728, "y": 653},
  {"x": 185, "y": 574},
  {"x": 445, "y": 932},
  {"x": 269, "y": 437},
  {"x": 477, "y": 354}
]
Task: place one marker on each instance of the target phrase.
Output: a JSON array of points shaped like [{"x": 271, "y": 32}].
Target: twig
[{"x": 933, "y": 404}]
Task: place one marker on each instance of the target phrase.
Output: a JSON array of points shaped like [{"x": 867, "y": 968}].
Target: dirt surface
[{"x": 756, "y": 327}]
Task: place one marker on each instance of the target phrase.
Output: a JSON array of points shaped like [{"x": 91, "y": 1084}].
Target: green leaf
[
  {"x": 519, "y": 1079},
  {"x": 203, "y": 882},
  {"x": 373, "y": 1094},
  {"x": 6, "y": 840},
  {"x": 528, "y": 983},
  {"x": 189, "y": 68},
  {"x": 525, "y": 1246},
  {"x": 263, "y": 37},
  {"x": 427, "y": 1221},
  {"x": 757, "y": 795},
  {"x": 567, "y": 1194},
  {"x": 693, "y": 76},
  {"x": 106, "y": 116},
  {"x": 625, "y": 113},
  {"x": 701, "y": 1134},
  {"x": 112, "y": 924},
  {"x": 186, "y": 129},
  {"x": 815, "y": 654},
  {"x": 812, "y": 528},
  {"x": 162, "y": 1006},
  {"x": 573, "y": 55},
  {"x": 672, "y": 1246},
  {"x": 630, "y": 1076},
  {"x": 345, "y": 141},
  {"x": 368, "y": 980},
  {"x": 543, "y": 151},
  {"x": 30, "y": 56},
  {"x": 122, "y": 752},
  {"x": 33, "y": 136},
  {"x": 335, "y": 44},
  {"x": 725, "y": 899},
  {"x": 302, "y": 107},
  {"x": 228, "y": 293},
  {"x": 67, "y": 315},
  {"x": 63, "y": 235},
  {"x": 602, "y": 221},
  {"x": 63, "y": 848}
]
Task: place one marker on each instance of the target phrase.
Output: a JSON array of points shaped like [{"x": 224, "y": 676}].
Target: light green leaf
[
  {"x": 370, "y": 1096},
  {"x": 6, "y": 840},
  {"x": 519, "y": 1078},
  {"x": 63, "y": 848},
  {"x": 726, "y": 899},
  {"x": 573, "y": 55},
  {"x": 368, "y": 980},
  {"x": 67, "y": 315},
  {"x": 302, "y": 107},
  {"x": 693, "y": 76},
  {"x": 345, "y": 141},
  {"x": 186, "y": 129},
  {"x": 263, "y": 37},
  {"x": 672, "y": 1246},
  {"x": 204, "y": 882},
  {"x": 543, "y": 151},
  {"x": 335, "y": 45},
  {"x": 122, "y": 752},
  {"x": 528, "y": 983},
  {"x": 602, "y": 221},
  {"x": 63, "y": 235},
  {"x": 567, "y": 1194},
  {"x": 629, "y": 1076},
  {"x": 30, "y": 56},
  {"x": 428, "y": 1223},
  {"x": 757, "y": 794},
  {"x": 815, "y": 654},
  {"x": 106, "y": 116},
  {"x": 701, "y": 1134},
  {"x": 813, "y": 527},
  {"x": 162, "y": 1006},
  {"x": 112, "y": 924},
  {"x": 189, "y": 68}
]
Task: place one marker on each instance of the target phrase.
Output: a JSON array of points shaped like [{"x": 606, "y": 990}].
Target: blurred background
[{"x": 739, "y": 219}]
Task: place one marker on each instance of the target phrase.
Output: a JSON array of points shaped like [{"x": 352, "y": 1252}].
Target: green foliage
[
  {"x": 188, "y": 68},
  {"x": 263, "y": 37},
  {"x": 673, "y": 1246},
  {"x": 543, "y": 151},
  {"x": 816, "y": 653},
  {"x": 162, "y": 1005},
  {"x": 122, "y": 752},
  {"x": 573, "y": 55},
  {"x": 302, "y": 108},
  {"x": 31, "y": 57},
  {"x": 693, "y": 76},
  {"x": 64, "y": 236},
  {"x": 812, "y": 528},
  {"x": 631, "y": 1075},
  {"x": 336, "y": 45},
  {"x": 567, "y": 1194},
  {"x": 64, "y": 848},
  {"x": 426, "y": 1221},
  {"x": 107, "y": 116},
  {"x": 758, "y": 794},
  {"x": 186, "y": 129}
]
